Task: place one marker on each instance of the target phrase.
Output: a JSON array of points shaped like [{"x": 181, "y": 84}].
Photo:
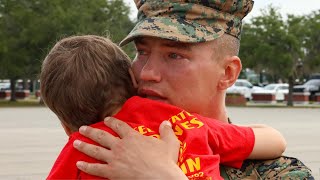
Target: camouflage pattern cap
[{"x": 189, "y": 20}]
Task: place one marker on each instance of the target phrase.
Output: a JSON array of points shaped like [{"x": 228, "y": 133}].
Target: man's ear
[
  {"x": 66, "y": 129},
  {"x": 133, "y": 79},
  {"x": 232, "y": 68}
]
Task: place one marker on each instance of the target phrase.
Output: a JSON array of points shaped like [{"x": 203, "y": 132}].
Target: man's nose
[{"x": 151, "y": 70}]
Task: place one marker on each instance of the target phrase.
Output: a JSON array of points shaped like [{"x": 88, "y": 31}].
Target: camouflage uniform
[
  {"x": 286, "y": 168},
  {"x": 194, "y": 21}
]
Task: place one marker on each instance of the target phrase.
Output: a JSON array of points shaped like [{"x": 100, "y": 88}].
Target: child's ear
[
  {"x": 133, "y": 79},
  {"x": 66, "y": 129}
]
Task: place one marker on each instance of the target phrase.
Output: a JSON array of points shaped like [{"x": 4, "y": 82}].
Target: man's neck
[{"x": 219, "y": 114}]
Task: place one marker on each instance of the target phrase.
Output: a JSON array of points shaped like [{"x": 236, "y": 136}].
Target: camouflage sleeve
[{"x": 280, "y": 168}]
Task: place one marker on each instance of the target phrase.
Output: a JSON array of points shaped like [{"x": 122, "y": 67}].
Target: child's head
[{"x": 85, "y": 78}]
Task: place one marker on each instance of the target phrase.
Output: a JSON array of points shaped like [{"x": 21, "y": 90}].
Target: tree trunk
[
  {"x": 13, "y": 89},
  {"x": 291, "y": 83},
  {"x": 25, "y": 84}
]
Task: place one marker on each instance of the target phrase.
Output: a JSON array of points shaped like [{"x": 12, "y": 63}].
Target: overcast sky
[{"x": 297, "y": 7}]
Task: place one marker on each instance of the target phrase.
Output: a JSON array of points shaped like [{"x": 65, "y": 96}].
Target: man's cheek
[{"x": 137, "y": 68}]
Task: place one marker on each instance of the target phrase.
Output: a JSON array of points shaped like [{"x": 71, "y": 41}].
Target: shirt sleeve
[
  {"x": 233, "y": 143},
  {"x": 65, "y": 165}
]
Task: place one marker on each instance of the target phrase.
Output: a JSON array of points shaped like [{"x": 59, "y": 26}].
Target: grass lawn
[{"x": 30, "y": 102}]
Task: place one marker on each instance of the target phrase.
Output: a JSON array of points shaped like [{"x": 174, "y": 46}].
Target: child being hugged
[{"x": 87, "y": 78}]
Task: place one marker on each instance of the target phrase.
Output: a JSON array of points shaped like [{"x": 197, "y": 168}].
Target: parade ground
[{"x": 31, "y": 138}]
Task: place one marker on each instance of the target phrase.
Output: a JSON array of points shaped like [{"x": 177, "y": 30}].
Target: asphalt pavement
[{"x": 31, "y": 138}]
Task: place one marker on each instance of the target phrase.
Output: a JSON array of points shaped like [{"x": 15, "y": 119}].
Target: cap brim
[{"x": 173, "y": 29}]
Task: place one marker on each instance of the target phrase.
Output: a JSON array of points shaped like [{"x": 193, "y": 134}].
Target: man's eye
[
  {"x": 175, "y": 56},
  {"x": 141, "y": 52}
]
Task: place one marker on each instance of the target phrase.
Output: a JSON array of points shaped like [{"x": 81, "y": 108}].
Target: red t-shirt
[{"x": 204, "y": 144}]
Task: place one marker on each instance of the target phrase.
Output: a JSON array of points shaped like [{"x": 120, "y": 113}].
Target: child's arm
[{"x": 269, "y": 143}]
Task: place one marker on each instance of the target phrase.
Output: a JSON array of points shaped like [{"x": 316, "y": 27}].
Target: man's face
[{"x": 184, "y": 75}]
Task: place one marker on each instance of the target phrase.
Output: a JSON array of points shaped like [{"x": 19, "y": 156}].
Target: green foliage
[
  {"x": 312, "y": 43},
  {"x": 30, "y": 27},
  {"x": 280, "y": 45},
  {"x": 266, "y": 44}
]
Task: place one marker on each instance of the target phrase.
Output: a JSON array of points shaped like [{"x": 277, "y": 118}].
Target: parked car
[
  {"x": 279, "y": 90},
  {"x": 312, "y": 86},
  {"x": 314, "y": 76},
  {"x": 4, "y": 86},
  {"x": 243, "y": 87}
]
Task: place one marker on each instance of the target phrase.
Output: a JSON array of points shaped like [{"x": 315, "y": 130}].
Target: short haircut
[
  {"x": 226, "y": 45},
  {"x": 85, "y": 78}
]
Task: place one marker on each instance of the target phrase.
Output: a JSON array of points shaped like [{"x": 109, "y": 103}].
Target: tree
[
  {"x": 271, "y": 44},
  {"x": 31, "y": 27},
  {"x": 312, "y": 42}
]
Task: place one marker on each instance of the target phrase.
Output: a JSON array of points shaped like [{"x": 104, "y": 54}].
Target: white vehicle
[
  {"x": 4, "y": 86},
  {"x": 279, "y": 90},
  {"x": 243, "y": 87}
]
